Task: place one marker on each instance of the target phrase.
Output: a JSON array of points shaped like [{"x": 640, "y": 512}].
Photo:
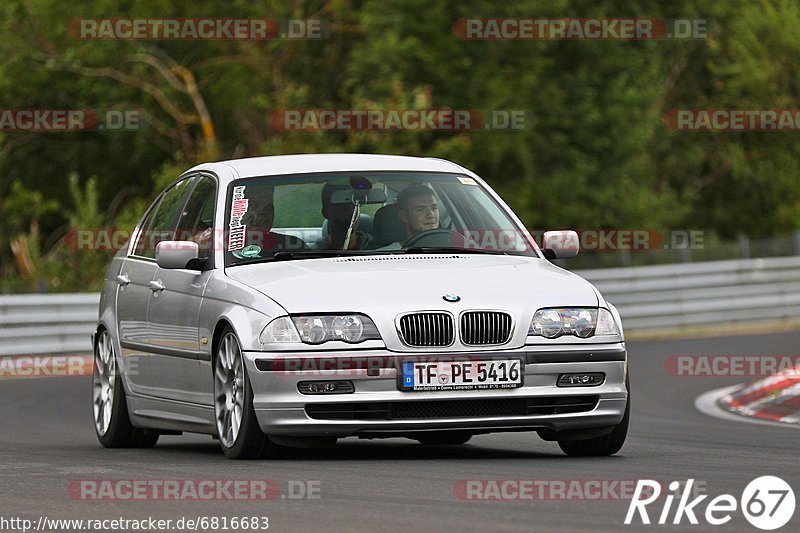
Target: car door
[
  {"x": 175, "y": 305},
  {"x": 133, "y": 297},
  {"x": 136, "y": 284}
]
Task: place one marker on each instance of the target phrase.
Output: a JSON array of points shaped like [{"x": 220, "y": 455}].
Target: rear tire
[
  {"x": 607, "y": 444},
  {"x": 240, "y": 436},
  {"x": 112, "y": 422}
]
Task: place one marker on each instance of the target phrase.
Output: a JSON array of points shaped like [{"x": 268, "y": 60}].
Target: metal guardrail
[
  {"x": 47, "y": 323},
  {"x": 747, "y": 291},
  {"x": 649, "y": 298}
]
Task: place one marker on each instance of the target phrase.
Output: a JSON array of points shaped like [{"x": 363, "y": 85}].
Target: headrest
[{"x": 387, "y": 227}]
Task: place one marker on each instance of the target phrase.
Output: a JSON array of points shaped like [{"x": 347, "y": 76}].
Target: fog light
[
  {"x": 326, "y": 387},
  {"x": 585, "y": 379}
]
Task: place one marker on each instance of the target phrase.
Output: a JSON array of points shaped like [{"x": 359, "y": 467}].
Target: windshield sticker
[
  {"x": 251, "y": 251},
  {"x": 238, "y": 230},
  {"x": 467, "y": 181}
]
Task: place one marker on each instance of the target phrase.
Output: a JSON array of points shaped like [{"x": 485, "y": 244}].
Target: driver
[{"x": 418, "y": 210}]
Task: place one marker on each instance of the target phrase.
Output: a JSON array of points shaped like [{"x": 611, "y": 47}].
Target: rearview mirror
[
  {"x": 363, "y": 197},
  {"x": 176, "y": 254},
  {"x": 561, "y": 244}
]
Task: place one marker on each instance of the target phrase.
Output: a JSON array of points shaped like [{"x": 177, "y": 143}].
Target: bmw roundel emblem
[{"x": 451, "y": 298}]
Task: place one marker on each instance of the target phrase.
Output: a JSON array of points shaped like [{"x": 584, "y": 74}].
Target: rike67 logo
[{"x": 767, "y": 503}]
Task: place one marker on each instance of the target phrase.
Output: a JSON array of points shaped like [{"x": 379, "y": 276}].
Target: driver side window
[
  {"x": 160, "y": 223},
  {"x": 197, "y": 220}
]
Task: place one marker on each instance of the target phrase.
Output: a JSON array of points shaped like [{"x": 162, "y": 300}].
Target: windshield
[{"x": 303, "y": 216}]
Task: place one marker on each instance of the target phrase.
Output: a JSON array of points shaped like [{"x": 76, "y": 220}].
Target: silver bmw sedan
[{"x": 295, "y": 300}]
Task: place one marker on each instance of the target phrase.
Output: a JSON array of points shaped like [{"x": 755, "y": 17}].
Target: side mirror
[
  {"x": 560, "y": 244},
  {"x": 176, "y": 254}
]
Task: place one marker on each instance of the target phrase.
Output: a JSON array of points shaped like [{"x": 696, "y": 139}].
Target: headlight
[
  {"x": 348, "y": 328},
  {"x": 279, "y": 330},
  {"x": 547, "y": 323},
  {"x": 606, "y": 325},
  {"x": 582, "y": 322},
  {"x": 317, "y": 329},
  {"x": 312, "y": 329}
]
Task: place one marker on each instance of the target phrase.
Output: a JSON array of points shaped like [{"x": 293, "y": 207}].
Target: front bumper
[{"x": 378, "y": 408}]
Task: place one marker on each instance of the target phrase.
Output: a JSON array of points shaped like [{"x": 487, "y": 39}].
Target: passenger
[{"x": 259, "y": 219}]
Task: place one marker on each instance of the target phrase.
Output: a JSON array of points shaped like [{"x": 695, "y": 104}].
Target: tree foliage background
[{"x": 595, "y": 153}]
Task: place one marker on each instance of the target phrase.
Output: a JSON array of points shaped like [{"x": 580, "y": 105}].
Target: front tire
[
  {"x": 240, "y": 436},
  {"x": 112, "y": 422},
  {"x": 607, "y": 444}
]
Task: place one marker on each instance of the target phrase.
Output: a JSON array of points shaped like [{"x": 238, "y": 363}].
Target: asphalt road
[{"x": 47, "y": 442}]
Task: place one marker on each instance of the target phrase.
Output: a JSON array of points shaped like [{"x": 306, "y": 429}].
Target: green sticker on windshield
[{"x": 251, "y": 251}]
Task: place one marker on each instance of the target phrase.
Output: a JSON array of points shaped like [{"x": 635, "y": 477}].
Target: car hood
[{"x": 386, "y": 286}]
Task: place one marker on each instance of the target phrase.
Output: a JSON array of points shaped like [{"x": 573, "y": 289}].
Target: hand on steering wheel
[{"x": 438, "y": 237}]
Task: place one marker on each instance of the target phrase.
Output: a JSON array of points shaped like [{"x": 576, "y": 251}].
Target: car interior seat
[
  {"x": 387, "y": 226},
  {"x": 365, "y": 225}
]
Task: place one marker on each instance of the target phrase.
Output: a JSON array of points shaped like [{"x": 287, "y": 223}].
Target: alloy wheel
[
  {"x": 229, "y": 389},
  {"x": 103, "y": 382}
]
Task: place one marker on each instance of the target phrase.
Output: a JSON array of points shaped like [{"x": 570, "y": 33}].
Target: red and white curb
[
  {"x": 774, "y": 400},
  {"x": 42, "y": 366}
]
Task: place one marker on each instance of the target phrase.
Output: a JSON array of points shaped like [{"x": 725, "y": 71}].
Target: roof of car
[{"x": 308, "y": 163}]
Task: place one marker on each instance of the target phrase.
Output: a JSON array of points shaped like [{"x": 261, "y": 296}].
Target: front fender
[{"x": 246, "y": 310}]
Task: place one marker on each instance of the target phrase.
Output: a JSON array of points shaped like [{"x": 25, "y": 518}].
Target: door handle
[
  {"x": 123, "y": 280},
  {"x": 156, "y": 286}
]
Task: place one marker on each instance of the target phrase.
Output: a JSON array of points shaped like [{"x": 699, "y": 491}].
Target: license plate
[{"x": 459, "y": 375}]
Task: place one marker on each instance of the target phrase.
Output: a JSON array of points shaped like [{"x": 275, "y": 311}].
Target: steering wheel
[{"x": 434, "y": 237}]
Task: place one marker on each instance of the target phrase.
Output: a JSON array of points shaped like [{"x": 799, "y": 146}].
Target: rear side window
[{"x": 162, "y": 220}]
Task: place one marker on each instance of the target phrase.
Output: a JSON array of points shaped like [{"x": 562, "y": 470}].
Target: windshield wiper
[
  {"x": 449, "y": 249},
  {"x": 308, "y": 254},
  {"x": 284, "y": 255}
]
